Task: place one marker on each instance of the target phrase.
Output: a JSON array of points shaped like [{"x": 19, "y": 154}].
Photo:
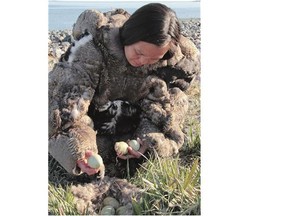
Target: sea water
[{"x": 63, "y": 14}]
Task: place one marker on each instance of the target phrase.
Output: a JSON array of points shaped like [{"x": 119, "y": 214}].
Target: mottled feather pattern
[
  {"x": 168, "y": 118},
  {"x": 80, "y": 137}
]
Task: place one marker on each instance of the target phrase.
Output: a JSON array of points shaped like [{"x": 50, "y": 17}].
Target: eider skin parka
[{"x": 94, "y": 71}]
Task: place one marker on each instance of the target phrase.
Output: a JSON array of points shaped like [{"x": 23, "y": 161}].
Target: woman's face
[{"x": 143, "y": 53}]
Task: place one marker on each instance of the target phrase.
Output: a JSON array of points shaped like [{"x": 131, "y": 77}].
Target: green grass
[
  {"x": 60, "y": 201},
  {"x": 171, "y": 188}
]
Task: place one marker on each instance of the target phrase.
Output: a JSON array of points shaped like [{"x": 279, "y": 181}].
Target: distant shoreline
[
  {"x": 181, "y": 20},
  {"x": 63, "y": 14},
  {"x": 188, "y": 19}
]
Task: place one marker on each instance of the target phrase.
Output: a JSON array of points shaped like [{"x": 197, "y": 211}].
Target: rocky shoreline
[{"x": 60, "y": 40}]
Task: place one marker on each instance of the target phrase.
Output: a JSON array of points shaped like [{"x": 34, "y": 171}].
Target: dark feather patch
[
  {"x": 173, "y": 77},
  {"x": 117, "y": 117}
]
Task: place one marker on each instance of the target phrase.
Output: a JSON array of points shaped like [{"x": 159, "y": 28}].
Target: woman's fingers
[
  {"x": 134, "y": 154},
  {"x": 85, "y": 168},
  {"x": 82, "y": 164}
]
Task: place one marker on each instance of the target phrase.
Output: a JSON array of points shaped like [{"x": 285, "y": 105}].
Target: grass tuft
[
  {"x": 170, "y": 188},
  {"x": 61, "y": 201}
]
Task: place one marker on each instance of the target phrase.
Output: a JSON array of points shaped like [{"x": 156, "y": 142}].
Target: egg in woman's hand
[
  {"x": 134, "y": 144},
  {"x": 95, "y": 161},
  {"x": 121, "y": 147}
]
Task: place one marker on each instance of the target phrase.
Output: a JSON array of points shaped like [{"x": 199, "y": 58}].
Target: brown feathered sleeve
[{"x": 164, "y": 102}]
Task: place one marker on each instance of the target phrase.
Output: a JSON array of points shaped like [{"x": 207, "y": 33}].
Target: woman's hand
[
  {"x": 83, "y": 165},
  {"x": 135, "y": 154}
]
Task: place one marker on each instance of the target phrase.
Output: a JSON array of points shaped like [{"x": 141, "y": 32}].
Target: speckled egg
[
  {"x": 111, "y": 201},
  {"x": 122, "y": 210},
  {"x": 121, "y": 147},
  {"x": 134, "y": 144},
  {"x": 107, "y": 210},
  {"x": 95, "y": 161}
]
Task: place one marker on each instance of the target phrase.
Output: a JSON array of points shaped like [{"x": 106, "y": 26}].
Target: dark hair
[{"x": 153, "y": 23}]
